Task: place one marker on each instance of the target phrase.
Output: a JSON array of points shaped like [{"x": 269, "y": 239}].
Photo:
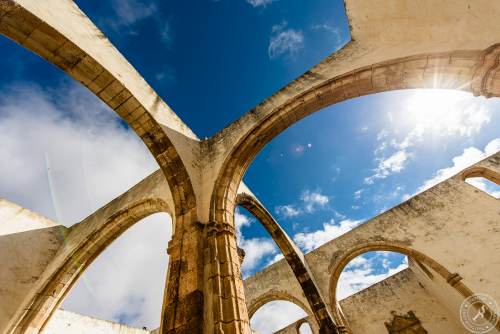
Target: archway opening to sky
[
  {"x": 125, "y": 283},
  {"x": 276, "y": 315},
  {"x": 367, "y": 269},
  {"x": 255, "y": 241},
  {"x": 485, "y": 185},
  {"x": 337, "y": 168},
  {"x": 305, "y": 328}
]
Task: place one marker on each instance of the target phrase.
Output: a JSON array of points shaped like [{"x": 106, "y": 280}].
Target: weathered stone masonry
[{"x": 396, "y": 44}]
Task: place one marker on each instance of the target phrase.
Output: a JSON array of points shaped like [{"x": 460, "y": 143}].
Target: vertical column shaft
[
  {"x": 183, "y": 304},
  {"x": 225, "y": 305}
]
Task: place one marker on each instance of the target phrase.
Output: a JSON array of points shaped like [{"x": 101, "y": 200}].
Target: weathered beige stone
[{"x": 396, "y": 44}]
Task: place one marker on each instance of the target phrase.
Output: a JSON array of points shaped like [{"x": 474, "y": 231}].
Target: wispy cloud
[
  {"x": 357, "y": 193},
  {"x": 309, "y": 241},
  {"x": 256, "y": 249},
  {"x": 276, "y": 315},
  {"x": 427, "y": 113},
  {"x": 470, "y": 156},
  {"x": 260, "y": 3},
  {"x": 387, "y": 166},
  {"x": 129, "y": 13},
  {"x": 314, "y": 200},
  {"x": 79, "y": 136},
  {"x": 310, "y": 201},
  {"x": 284, "y": 41},
  {"x": 287, "y": 211},
  {"x": 334, "y": 31},
  {"x": 363, "y": 272}
]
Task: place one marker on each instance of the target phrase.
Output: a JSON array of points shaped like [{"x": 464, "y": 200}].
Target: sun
[{"x": 442, "y": 112}]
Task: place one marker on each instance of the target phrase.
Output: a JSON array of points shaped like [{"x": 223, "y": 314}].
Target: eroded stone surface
[{"x": 396, "y": 44}]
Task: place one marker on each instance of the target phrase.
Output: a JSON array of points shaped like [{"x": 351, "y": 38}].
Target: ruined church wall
[
  {"x": 28, "y": 243},
  {"x": 65, "y": 322},
  {"x": 368, "y": 310},
  {"x": 433, "y": 223}
]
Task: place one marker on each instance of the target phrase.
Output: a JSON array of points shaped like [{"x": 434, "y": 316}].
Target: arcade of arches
[{"x": 394, "y": 46}]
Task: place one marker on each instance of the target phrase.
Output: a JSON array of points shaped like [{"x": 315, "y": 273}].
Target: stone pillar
[
  {"x": 226, "y": 310},
  {"x": 183, "y": 304}
]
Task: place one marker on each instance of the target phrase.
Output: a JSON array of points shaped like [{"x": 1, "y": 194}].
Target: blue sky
[{"x": 212, "y": 61}]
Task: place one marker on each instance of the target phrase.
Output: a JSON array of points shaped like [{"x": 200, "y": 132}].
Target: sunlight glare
[{"x": 445, "y": 112}]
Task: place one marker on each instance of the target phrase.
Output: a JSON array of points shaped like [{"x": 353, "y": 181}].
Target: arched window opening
[
  {"x": 424, "y": 295},
  {"x": 328, "y": 173},
  {"x": 276, "y": 315},
  {"x": 485, "y": 185},
  {"x": 124, "y": 284},
  {"x": 305, "y": 328},
  {"x": 368, "y": 269}
]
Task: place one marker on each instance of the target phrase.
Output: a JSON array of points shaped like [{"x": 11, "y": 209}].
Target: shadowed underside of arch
[
  {"x": 74, "y": 258},
  {"x": 61, "y": 34},
  {"x": 347, "y": 255},
  {"x": 295, "y": 259},
  {"x": 475, "y": 71}
]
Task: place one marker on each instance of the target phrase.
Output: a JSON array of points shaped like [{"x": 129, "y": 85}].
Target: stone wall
[
  {"x": 64, "y": 322},
  {"x": 368, "y": 310}
]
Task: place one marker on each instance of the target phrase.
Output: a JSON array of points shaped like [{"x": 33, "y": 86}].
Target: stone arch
[
  {"x": 82, "y": 52},
  {"x": 275, "y": 296},
  {"x": 480, "y": 171},
  {"x": 345, "y": 256},
  {"x": 80, "y": 250},
  {"x": 299, "y": 324},
  {"x": 281, "y": 295},
  {"x": 472, "y": 71},
  {"x": 294, "y": 257}
]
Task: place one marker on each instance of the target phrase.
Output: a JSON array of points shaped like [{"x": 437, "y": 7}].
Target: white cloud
[
  {"x": 166, "y": 33},
  {"x": 334, "y": 31},
  {"x": 336, "y": 173},
  {"x": 393, "y": 164},
  {"x": 256, "y": 249},
  {"x": 313, "y": 200},
  {"x": 287, "y": 211},
  {"x": 275, "y": 315},
  {"x": 260, "y": 3},
  {"x": 275, "y": 259},
  {"x": 129, "y": 12},
  {"x": 485, "y": 185},
  {"x": 68, "y": 139},
  {"x": 357, "y": 193},
  {"x": 470, "y": 156},
  {"x": 285, "y": 41},
  {"x": 435, "y": 114},
  {"x": 309, "y": 241},
  {"x": 125, "y": 283},
  {"x": 241, "y": 220},
  {"x": 361, "y": 273},
  {"x": 444, "y": 113}
]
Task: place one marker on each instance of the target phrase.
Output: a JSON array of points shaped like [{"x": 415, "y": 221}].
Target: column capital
[
  {"x": 220, "y": 228},
  {"x": 484, "y": 73}
]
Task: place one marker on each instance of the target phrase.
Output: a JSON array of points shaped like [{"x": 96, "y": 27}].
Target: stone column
[
  {"x": 226, "y": 310},
  {"x": 183, "y": 305}
]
